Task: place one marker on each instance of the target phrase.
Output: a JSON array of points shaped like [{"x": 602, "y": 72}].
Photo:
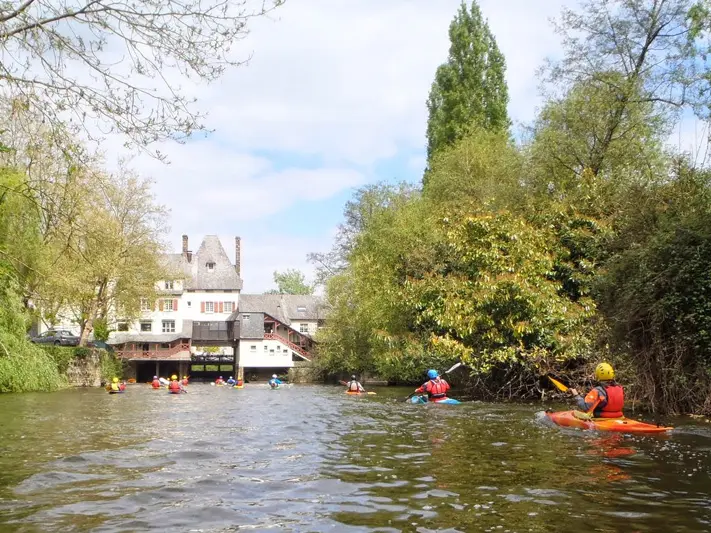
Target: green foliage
[
  {"x": 23, "y": 366},
  {"x": 291, "y": 281},
  {"x": 101, "y": 329},
  {"x": 111, "y": 366},
  {"x": 470, "y": 89},
  {"x": 61, "y": 355}
]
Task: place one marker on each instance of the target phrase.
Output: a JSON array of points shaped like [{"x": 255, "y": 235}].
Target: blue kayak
[{"x": 423, "y": 399}]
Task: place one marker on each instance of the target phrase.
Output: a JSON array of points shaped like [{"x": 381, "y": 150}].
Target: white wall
[
  {"x": 272, "y": 357},
  {"x": 311, "y": 324}
]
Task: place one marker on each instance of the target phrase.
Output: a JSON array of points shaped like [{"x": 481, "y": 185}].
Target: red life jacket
[
  {"x": 436, "y": 388},
  {"x": 613, "y": 400},
  {"x": 174, "y": 385},
  {"x": 185, "y": 382},
  {"x": 155, "y": 384}
]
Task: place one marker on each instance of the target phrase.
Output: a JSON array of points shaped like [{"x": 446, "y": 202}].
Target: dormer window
[
  {"x": 168, "y": 285},
  {"x": 301, "y": 309},
  {"x": 210, "y": 266}
]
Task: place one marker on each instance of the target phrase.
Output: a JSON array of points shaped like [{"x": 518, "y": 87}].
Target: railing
[
  {"x": 153, "y": 354},
  {"x": 298, "y": 349}
]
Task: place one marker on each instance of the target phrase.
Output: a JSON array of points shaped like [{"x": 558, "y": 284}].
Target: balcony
[{"x": 153, "y": 353}]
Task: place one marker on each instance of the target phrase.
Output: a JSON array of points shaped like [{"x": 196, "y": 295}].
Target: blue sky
[{"x": 333, "y": 99}]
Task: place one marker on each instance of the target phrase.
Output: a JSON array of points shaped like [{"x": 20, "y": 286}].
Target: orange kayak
[
  {"x": 353, "y": 392},
  {"x": 617, "y": 425}
]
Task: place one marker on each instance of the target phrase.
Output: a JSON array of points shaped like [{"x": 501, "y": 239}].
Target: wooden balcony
[
  {"x": 295, "y": 347},
  {"x": 154, "y": 353}
]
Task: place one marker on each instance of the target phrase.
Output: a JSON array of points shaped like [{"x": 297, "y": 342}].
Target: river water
[{"x": 312, "y": 459}]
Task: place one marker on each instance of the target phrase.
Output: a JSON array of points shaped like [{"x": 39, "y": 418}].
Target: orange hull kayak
[
  {"x": 353, "y": 392},
  {"x": 617, "y": 425}
]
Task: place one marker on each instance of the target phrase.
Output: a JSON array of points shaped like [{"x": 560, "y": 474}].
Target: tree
[
  {"x": 640, "y": 54},
  {"x": 113, "y": 61},
  {"x": 291, "y": 281},
  {"x": 470, "y": 88}
]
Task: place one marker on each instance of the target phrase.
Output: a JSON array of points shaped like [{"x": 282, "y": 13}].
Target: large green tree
[
  {"x": 291, "y": 281},
  {"x": 470, "y": 88}
]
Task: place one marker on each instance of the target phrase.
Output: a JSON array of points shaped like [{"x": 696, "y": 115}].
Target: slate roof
[
  {"x": 196, "y": 274},
  {"x": 286, "y": 308}
]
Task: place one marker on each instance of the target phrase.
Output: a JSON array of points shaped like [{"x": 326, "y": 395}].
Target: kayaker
[
  {"x": 185, "y": 381},
  {"x": 354, "y": 385},
  {"x": 436, "y": 388},
  {"x": 174, "y": 386},
  {"x": 116, "y": 386},
  {"x": 219, "y": 381},
  {"x": 155, "y": 383},
  {"x": 231, "y": 381},
  {"x": 274, "y": 382},
  {"x": 607, "y": 399}
]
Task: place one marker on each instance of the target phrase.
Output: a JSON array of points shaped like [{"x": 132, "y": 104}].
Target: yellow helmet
[
  {"x": 115, "y": 380},
  {"x": 173, "y": 377},
  {"x": 185, "y": 377},
  {"x": 604, "y": 372}
]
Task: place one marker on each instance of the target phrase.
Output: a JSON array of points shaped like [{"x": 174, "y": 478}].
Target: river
[{"x": 312, "y": 459}]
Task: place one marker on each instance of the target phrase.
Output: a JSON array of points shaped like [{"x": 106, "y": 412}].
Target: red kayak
[{"x": 617, "y": 425}]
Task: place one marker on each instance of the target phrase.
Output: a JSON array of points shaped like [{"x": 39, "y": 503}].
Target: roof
[
  {"x": 195, "y": 272},
  {"x": 122, "y": 337},
  {"x": 286, "y": 308}
]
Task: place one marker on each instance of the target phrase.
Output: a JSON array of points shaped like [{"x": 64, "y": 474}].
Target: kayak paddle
[
  {"x": 558, "y": 385},
  {"x": 457, "y": 365}
]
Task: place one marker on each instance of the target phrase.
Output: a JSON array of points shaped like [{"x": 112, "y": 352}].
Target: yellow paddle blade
[
  {"x": 558, "y": 384},
  {"x": 372, "y": 393}
]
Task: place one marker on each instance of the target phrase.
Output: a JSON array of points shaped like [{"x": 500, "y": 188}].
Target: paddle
[
  {"x": 563, "y": 388},
  {"x": 457, "y": 365}
]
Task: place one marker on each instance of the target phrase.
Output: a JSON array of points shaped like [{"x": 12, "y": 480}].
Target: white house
[{"x": 201, "y": 325}]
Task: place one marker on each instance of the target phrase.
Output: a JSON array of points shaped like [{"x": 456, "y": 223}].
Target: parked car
[{"x": 58, "y": 337}]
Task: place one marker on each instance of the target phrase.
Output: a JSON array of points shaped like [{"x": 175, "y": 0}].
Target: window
[
  {"x": 122, "y": 326},
  {"x": 168, "y": 326},
  {"x": 245, "y": 317},
  {"x": 168, "y": 305},
  {"x": 146, "y": 326},
  {"x": 266, "y": 347},
  {"x": 168, "y": 285},
  {"x": 145, "y": 306},
  {"x": 271, "y": 352},
  {"x": 189, "y": 303},
  {"x": 209, "y": 307},
  {"x": 286, "y": 351},
  {"x": 228, "y": 307},
  {"x": 253, "y": 348},
  {"x": 210, "y": 266},
  {"x": 303, "y": 328},
  {"x": 301, "y": 309}
]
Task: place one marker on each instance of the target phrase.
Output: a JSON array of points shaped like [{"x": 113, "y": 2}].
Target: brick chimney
[
  {"x": 238, "y": 246},
  {"x": 187, "y": 253}
]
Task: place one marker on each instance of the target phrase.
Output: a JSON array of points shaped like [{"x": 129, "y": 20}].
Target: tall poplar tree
[{"x": 469, "y": 90}]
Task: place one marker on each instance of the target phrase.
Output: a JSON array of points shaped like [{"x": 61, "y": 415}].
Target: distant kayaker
[
  {"x": 219, "y": 381},
  {"x": 184, "y": 383},
  {"x": 174, "y": 386},
  {"x": 116, "y": 386},
  {"x": 155, "y": 383},
  {"x": 231, "y": 381},
  {"x": 436, "y": 388},
  {"x": 274, "y": 382},
  {"x": 354, "y": 385},
  {"x": 605, "y": 400}
]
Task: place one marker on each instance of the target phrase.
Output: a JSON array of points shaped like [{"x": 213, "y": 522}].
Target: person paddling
[
  {"x": 274, "y": 382},
  {"x": 354, "y": 385},
  {"x": 155, "y": 383},
  {"x": 607, "y": 399},
  {"x": 231, "y": 381},
  {"x": 185, "y": 381},
  {"x": 174, "y": 386},
  {"x": 436, "y": 388},
  {"x": 219, "y": 381},
  {"x": 116, "y": 386}
]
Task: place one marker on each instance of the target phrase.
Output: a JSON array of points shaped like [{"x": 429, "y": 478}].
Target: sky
[{"x": 332, "y": 99}]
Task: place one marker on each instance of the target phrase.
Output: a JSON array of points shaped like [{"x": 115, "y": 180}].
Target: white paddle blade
[{"x": 454, "y": 367}]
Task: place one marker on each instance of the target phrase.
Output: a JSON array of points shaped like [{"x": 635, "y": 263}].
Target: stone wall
[
  {"x": 303, "y": 372},
  {"x": 85, "y": 371}
]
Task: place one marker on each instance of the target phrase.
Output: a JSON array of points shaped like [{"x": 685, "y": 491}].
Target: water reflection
[{"x": 314, "y": 459}]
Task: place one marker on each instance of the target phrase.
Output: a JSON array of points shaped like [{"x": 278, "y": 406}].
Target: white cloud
[{"x": 339, "y": 82}]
